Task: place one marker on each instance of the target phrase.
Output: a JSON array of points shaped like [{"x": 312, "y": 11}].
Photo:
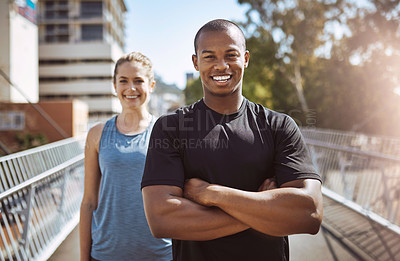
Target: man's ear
[
  {"x": 152, "y": 86},
  {"x": 246, "y": 58},
  {"x": 194, "y": 60}
]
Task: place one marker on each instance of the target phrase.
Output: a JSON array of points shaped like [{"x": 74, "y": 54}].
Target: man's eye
[
  {"x": 123, "y": 81},
  {"x": 209, "y": 57}
]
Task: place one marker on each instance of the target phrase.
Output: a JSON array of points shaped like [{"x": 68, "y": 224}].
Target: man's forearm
[
  {"x": 172, "y": 216},
  {"x": 276, "y": 212}
]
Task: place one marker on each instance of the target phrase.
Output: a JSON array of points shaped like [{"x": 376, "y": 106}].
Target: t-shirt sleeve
[
  {"x": 163, "y": 162},
  {"x": 292, "y": 159}
]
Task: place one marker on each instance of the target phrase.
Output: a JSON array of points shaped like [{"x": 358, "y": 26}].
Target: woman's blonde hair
[{"x": 138, "y": 58}]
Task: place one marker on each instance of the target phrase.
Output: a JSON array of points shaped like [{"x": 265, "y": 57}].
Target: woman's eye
[{"x": 123, "y": 81}]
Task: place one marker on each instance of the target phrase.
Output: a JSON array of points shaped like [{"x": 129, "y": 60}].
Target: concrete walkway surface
[{"x": 302, "y": 248}]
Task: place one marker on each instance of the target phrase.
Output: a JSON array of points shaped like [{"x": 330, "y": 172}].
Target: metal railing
[
  {"x": 361, "y": 188},
  {"x": 376, "y": 144},
  {"x": 40, "y": 194},
  {"x": 41, "y": 190}
]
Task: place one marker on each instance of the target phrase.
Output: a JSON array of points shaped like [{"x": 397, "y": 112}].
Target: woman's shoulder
[
  {"x": 97, "y": 129},
  {"x": 94, "y": 134}
]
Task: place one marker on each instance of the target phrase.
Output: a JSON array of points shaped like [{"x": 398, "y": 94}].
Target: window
[
  {"x": 63, "y": 38},
  {"x": 63, "y": 4},
  {"x": 92, "y": 32},
  {"x": 49, "y": 4},
  {"x": 91, "y": 9},
  {"x": 50, "y": 39},
  {"x": 49, "y": 14},
  {"x": 64, "y": 79},
  {"x": 63, "y": 14},
  {"x": 57, "y": 38},
  {"x": 63, "y": 29},
  {"x": 57, "y": 33},
  {"x": 74, "y": 61},
  {"x": 12, "y": 120},
  {"x": 50, "y": 28}
]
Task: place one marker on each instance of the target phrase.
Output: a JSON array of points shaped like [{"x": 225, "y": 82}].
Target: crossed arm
[{"x": 203, "y": 211}]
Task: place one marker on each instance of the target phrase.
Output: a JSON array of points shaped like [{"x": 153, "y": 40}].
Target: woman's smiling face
[{"x": 132, "y": 85}]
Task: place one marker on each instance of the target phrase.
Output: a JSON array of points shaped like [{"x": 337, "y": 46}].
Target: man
[{"x": 203, "y": 184}]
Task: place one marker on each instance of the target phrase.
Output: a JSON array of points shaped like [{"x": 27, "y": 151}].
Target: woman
[{"x": 113, "y": 225}]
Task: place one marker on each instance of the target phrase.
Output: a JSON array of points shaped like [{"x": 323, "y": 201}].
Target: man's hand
[{"x": 198, "y": 190}]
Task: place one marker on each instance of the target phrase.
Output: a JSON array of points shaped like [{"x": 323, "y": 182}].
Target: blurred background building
[
  {"x": 19, "y": 51},
  {"x": 165, "y": 98},
  {"x": 79, "y": 43},
  {"x": 57, "y": 59}
]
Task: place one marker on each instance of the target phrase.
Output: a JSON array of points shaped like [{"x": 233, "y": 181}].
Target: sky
[{"x": 164, "y": 31}]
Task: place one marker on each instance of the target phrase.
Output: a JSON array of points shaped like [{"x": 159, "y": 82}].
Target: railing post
[
  {"x": 343, "y": 163},
  {"x": 387, "y": 189},
  {"x": 27, "y": 215},
  {"x": 32, "y": 226},
  {"x": 62, "y": 187}
]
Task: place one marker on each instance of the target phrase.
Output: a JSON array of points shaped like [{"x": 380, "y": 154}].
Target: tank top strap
[{"x": 108, "y": 133}]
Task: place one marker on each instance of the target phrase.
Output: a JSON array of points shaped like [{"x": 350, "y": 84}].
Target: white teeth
[
  {"x": 221, "y": 78},
  {"x": 131, "y": 97}
]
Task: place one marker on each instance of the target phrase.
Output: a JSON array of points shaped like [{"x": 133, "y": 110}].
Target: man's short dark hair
[{"x": 217, "y": 25}]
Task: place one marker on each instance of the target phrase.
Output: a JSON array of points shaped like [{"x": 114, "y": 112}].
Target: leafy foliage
[
  {"x": 349, "y": 85},
  {"x": 29, "y": 140},
  {"x": 193, "y": 91}
]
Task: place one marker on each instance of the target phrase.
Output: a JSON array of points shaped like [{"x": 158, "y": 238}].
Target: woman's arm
[{"x": 91, "y": 190}]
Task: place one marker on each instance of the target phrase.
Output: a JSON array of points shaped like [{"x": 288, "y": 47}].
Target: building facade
[
  {"x": 79, "y": 43},
  {"x": 18, "y": 51},
  {"x": 165, "y": 98}
]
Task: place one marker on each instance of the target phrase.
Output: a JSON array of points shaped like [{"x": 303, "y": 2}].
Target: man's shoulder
[
  {"x": 267, "y": 113},
  {"x": 188, "y": 109},
  {"x": 179, "y": 115}
]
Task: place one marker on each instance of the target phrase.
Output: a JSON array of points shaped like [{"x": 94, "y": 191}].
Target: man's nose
[{"x": 221, "y": 64}]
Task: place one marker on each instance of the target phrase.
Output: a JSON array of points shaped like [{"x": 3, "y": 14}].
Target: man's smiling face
[{"x": 221, "y": 59}]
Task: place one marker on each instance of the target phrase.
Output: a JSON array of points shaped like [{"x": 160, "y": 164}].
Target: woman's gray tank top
[{"x": 119, "y": 227}]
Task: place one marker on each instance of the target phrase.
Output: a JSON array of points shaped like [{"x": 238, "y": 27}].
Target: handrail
[
  {"x": 357, "y": 208},
  {"x": 40, "y": 148},
  {"x": 380, "y": 144},
  {"x": 361, "y": 184},
  {"x": 341, "y": 148},
  {"x": 40, "y": 194},
  {"x": 349, "y": 173},
  {"x": 42, "y": 176}
]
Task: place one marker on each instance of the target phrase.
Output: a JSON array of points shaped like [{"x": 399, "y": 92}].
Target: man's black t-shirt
[{"x": 238, "y": 150}]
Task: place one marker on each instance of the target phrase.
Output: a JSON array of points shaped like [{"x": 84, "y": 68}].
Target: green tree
[
  {"x": 193, "y": 91},
  {"x": 344, "y": 94},
  {"x": 28, "y": 140},
  {"x": 298, "y": 28},
  {"x": 372, "y": 45},
  {"x": 261, "y": 72}
]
